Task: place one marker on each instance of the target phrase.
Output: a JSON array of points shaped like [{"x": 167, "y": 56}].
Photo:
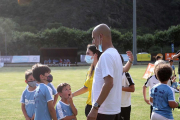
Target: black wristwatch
[{"x": 96, "y": 105}]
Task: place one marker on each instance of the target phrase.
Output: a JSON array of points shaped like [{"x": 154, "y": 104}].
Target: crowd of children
[
  {"x": 37, "y": 99},
  {"x": 38, "y": 102}
]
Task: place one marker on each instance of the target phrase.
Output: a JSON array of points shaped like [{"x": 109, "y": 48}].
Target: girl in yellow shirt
[{"x": 92, "y": 56}]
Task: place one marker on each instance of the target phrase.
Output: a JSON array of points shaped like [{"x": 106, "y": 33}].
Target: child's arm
[
  {"x": 69, "y": 117},
  {"x": 24, "y": 111},
  {"x": 173, "y": 104},
  {"x": 131, "y": 88},
  {"x": 33, "y": 117},
  {"x": 171, "y": 99},
  {"x": 80, "y": 91},
  {"x": 129, "y": 63},
  {"x": 144, "y": 95},
  {"x": 151, "y": 99},
  {"x": 173, "y": 79},
  {"x": 74, "y": 110},
  {"x": 52, "y": 110},
  {"x": 55, "y": 99},
  {"x": 174, "y": 71}
]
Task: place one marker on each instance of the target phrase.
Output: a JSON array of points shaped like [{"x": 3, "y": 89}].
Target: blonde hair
[{"x": 158, "y": 62}]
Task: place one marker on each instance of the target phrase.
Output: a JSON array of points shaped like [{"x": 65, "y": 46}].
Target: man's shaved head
[
  {"x": 102, "y": 29},
  {"x": 101, "y": 36}
]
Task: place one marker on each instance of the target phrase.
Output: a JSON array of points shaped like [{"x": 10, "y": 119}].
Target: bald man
[{"x": 107, "y": 83}]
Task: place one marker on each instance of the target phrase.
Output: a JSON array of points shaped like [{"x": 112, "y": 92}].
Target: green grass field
[{"x": 12, "y": 85}]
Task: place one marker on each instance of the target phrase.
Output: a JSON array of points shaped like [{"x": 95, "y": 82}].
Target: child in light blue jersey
[
  {"x": 54, "y": 91},
  {"x": 27, "y": 98},
  {"x": 44, "y": 109},
  {"x": 162, "y": 95},
  {"x": 65, "y": 108}
]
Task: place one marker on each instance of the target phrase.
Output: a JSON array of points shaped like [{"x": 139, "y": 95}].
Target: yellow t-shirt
[{"x": 88, "y": 84}]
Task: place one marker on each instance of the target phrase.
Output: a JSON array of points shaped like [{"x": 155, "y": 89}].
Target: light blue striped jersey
[
  {"x": 54, "y": 91},
  {"x": 63, "y": 110},
  {"x": 42, "y": 96},
  {"x": 27, "y": 98},
  {"x": 162, "y": 94}
]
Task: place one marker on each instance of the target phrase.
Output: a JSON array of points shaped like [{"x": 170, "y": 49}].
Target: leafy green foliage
[
  {"x": 22, "y": 43},
  {"x": 41, "y": 14}
]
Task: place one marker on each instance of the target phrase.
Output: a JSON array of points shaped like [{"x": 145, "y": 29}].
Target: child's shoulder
[
  {"x": 50, "y": 84},
  {"x": 157, "y": 85},
  {"x": 60, "y": 104},
  {"x": 127, "y": 74},
  {"x": 43, "y": 86},
  {"x": 168, "y": 88},
  {"x": 25, "y": 91},
  {"x": 163, "y": 86},
  {"x": 149, "y": 77},
  {"x": 152, "y": 77}
]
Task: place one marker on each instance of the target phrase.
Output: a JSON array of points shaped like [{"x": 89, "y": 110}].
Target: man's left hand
[{"x": 93, "y": 114}]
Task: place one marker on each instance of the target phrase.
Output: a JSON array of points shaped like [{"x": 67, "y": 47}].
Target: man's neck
[{"x": 107, "y": 45}]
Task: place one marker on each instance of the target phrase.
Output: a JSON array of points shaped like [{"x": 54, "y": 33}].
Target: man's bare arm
[{"x": 108, "y": 84}]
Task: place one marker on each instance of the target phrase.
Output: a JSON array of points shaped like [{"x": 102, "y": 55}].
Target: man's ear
[
  {"x": 25, "y": 81},
  {"x": 100, "y": 36}
]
